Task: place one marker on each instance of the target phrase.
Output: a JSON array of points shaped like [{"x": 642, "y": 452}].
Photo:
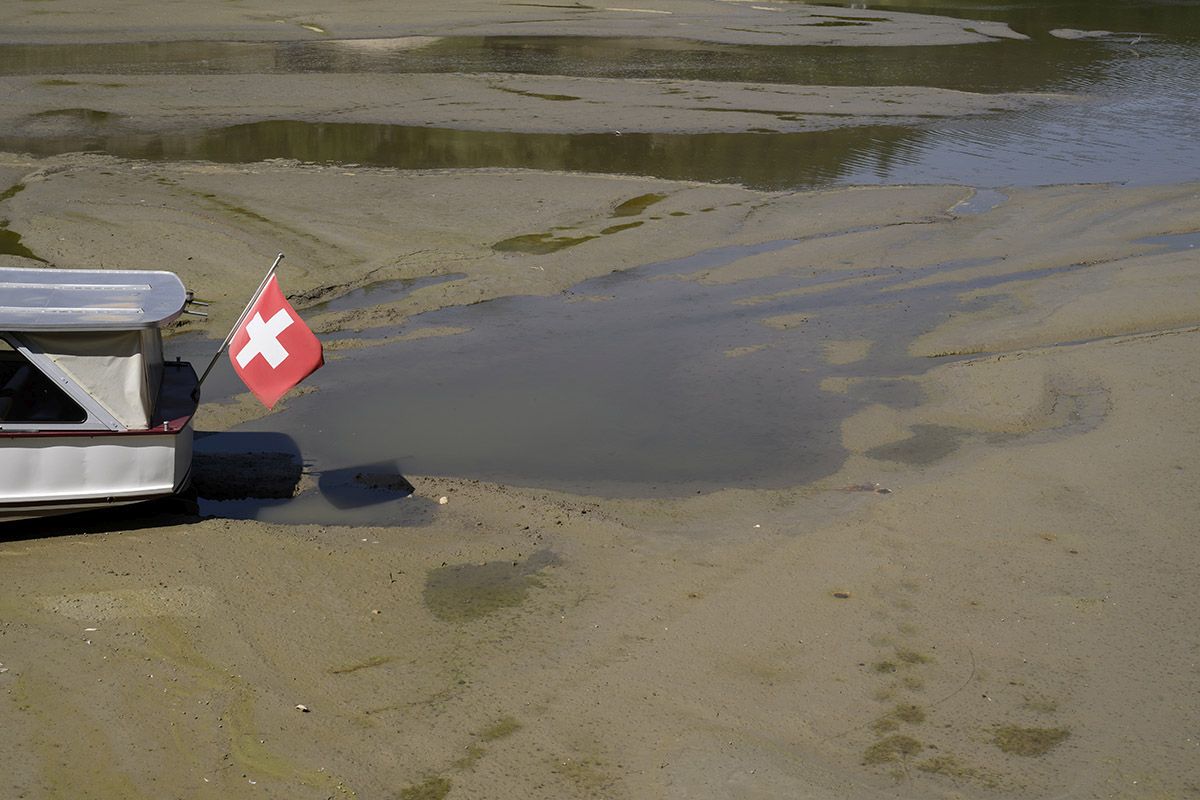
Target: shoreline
[{"x": 694, "y": 20}]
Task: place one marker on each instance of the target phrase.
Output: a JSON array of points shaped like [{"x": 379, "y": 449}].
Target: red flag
[{"x": 273, "y": 350}]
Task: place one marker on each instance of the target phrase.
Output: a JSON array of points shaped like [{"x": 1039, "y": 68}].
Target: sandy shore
[
  {"x": 699, "y": 20},
  {"x": 40, "y": 107},
  {"x": 993, "y": 596}
]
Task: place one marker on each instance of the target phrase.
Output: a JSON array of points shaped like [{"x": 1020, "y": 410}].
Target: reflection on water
[
  {"x": 1138, "y": 125},
  {"x": 1133, "y": 118},
  {"x": 1037, "y": 17},
  {"x": 766, "y": 161},
  {"x": 994, "y": 67}
]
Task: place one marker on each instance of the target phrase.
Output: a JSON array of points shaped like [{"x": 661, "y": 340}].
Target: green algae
[
  {"x": 472, "y": 756},
  {"x": 539, "y": 244},
  {"x": 1032, "y": 742},
  {"x": 434, "y": 788},
  {"x": 636, "y": 205},
  {"x": 10, "y": 241},
  {"x": 949, "y": 766},
  {"x": 909, "y": 656},
  {"x": 558, "y": 98},
  {"x": 618, "y": 228},
  {"x": 893, "y": 748},
  {"x": 90, "y": 116},
  {"x": 12, "y": 192},
  {"x": 464, "y": 592},
  {"x": 375, "y": 661},
  {"x": 906, "y": 713},
  {"x": 66, "y": 82},
  {"x": 500, "y": 729}
]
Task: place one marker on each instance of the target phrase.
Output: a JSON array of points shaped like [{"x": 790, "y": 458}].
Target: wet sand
[
  {"x": 701, "y": 20},
  {"x": 991, "y": 597},
  {"x": 41, "y": 107}
]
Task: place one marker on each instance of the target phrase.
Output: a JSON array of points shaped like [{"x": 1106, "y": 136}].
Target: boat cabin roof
[{"x": 88, "y": 299}]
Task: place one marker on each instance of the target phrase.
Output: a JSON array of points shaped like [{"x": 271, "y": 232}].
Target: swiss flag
[{"x": 273, "y": 350}]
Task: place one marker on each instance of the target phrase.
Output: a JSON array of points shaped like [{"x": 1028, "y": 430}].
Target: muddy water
[{"x": 645, "y": 382}]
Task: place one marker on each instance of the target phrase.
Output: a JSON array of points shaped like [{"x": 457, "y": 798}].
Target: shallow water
[
  {"x": 1133, "y": 118},
  {"x": 642, "y": 382},
  {"x": 995, "y": 67}
]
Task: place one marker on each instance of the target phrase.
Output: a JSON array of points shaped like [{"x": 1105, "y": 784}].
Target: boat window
[{"x": 27, "y": 395}]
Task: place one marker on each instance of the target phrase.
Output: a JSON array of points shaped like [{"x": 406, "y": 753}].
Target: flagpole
[{"x": 238, "y": 324}]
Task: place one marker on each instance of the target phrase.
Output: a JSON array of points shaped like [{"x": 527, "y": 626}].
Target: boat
[{"x": 91, "y": 414}]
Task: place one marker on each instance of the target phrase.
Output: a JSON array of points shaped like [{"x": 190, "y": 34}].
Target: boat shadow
[
  {"x": 254, "y": 476},
  {"x": 263, "y": 476},
  {"x": 166, "y": 512}
]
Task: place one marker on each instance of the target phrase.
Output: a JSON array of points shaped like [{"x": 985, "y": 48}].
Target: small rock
[
  {"x": 443, "y": 500},
  {"x": 302, "y": 707}
]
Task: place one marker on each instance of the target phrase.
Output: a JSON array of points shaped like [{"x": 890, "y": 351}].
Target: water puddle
[
  {"x": 981, "y": 201},
  {"x": 10, "y": 240},
  {"x": 669, "y": 386},
  {"x": 927, "y": 444},
  {"x": 1174, "y": 242},
  {"x": 465, "y": 592}
]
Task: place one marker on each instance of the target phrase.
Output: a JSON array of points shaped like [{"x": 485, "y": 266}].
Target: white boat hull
[{"x": 45, "y": 474}]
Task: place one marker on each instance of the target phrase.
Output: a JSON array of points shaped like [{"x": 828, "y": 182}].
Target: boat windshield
[{"x": 27, "y": 395}]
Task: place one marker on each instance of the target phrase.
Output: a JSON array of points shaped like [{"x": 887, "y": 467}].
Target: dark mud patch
[
  {"x": 10, "y": 241},
  {"x": 369, "y": 663},
  {"x": 434, "y": 788},
  {"x": 465, "y": 592},
  {"x": 926, "y": 445},
  {"x": 611, "y": 229},
  {"x": 893, "y": 748},
  {"x": 636, "y": 205},
  {"x": 500, "y": 729},
  {"x": 1031, "y": 742},
  {"x": 385, "y": 481},
  {"x": 556, "y": 98},
  {"x": 538, "y": 244},
  {"x": 10, "y": 244}
]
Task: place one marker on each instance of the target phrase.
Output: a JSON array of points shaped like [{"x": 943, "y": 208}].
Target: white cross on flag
[{"x": 273, "y": 350}]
